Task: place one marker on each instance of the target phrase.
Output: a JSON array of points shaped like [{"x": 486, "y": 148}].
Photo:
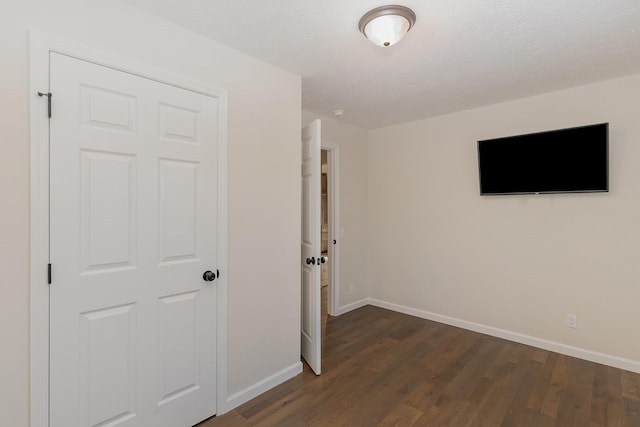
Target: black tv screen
[{"x": 558, "y": 161}]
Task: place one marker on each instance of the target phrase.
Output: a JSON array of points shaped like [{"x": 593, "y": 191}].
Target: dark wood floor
[{"x": 389, "y": 369}]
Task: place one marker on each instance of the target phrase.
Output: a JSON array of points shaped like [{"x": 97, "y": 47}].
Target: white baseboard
[
  {"x": 261, "y": 386},
  {"x": 580, "y": 353},
  {"x": 352, "y": 306}
]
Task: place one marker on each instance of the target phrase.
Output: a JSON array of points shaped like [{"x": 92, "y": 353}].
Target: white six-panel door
[
  {"x": 133, "y": 213},
  {"x": 310, "y": 317}
]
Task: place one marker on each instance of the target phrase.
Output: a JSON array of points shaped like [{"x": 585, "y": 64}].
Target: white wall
[
  {"x": 264, "y": 154},
  {"x": 353, "y": 203},
  {"x": 518, "y": 263}
]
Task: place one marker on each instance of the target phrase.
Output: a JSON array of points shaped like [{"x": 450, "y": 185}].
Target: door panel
[
  {"x": 108, "y": 109},
  {"x": 178, "y": 210},
  {"x": 178, "y": 346},
  {"x": 310, "y": 280},
  {"x": 108, "y": 210},
  {"x": 133, "y": 227},
  {"x": 107, "y": 347},
  {"x": 178, "y": 124}
]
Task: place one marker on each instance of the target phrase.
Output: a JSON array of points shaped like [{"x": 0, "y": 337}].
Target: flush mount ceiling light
[{"x": 386, "y": 25}]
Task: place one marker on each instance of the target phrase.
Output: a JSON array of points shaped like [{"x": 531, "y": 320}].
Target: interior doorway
[
  {"x": 330, "y": 243},
  {"x": 312, "y": 258},
  {"x": 324, "y": 239}
]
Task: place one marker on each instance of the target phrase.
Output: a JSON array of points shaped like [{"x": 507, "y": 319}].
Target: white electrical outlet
[
  {"x": 352, "y": 289},
  {"x": 572, "y": 321}
]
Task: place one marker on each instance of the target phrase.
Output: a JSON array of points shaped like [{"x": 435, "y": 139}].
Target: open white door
[
  {"x": 310, "y": 319},
  {"x": 133, "y": 228}
]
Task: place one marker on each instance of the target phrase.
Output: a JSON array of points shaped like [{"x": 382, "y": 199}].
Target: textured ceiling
[{"x": 460, "y": 54}]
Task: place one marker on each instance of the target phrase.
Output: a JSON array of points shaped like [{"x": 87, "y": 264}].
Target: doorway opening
[
  {"x": 324, "y": 239},
  {"x": 329, "y": 242},
  {"x": 312, "y": 259}
]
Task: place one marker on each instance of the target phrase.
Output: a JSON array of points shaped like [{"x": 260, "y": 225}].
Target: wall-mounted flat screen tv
[{"x": 557, "y": 161}]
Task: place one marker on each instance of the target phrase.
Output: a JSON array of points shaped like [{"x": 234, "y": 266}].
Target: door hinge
[
  {"x": 49, "y": 95},
  {"x": 49, "y": 273}
]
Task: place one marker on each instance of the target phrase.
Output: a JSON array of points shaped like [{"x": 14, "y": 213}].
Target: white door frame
[
  {"x": 40, "y": 46},
  {"x": 333, "y": 199}
]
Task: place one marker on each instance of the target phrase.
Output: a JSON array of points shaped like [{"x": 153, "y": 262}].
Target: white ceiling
[{"x": 460, "y": 54}]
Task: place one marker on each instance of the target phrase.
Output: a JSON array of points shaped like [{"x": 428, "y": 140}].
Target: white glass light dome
[{"x": 386, "y": 25}]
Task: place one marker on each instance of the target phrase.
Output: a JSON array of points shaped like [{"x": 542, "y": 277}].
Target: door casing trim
[{"x": 40, "y": 46}]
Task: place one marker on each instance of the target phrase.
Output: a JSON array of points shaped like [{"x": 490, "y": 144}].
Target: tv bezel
[{"x": 606, "y": 142}]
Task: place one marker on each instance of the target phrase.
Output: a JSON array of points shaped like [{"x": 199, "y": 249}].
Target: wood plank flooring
[{"x": 382, "y": 368}]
